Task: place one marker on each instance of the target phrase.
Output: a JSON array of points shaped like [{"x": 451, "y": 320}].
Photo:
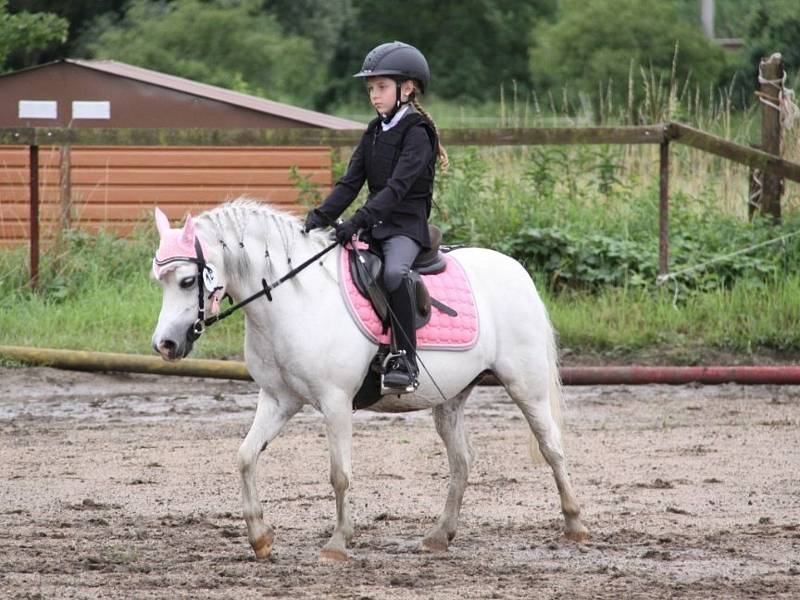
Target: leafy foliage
[
  {"x": 571, "y": 220},
  {"x": 772, "y": 26},
  {"x": 472, "y": 46},
  {"x": 233, "y": 44},
  {"x": 321, "y": 21},
  {"x": 595, "y": 42},
  {"x": 25, "y": 32}
]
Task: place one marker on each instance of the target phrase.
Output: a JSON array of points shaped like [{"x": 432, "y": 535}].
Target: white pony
[{"x": 304, "y": 348}]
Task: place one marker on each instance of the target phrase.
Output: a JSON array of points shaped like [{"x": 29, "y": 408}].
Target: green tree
[
  {"x": 321, "y": 21},
  {"x": 229, "y": 43},
  {"x": 25, "y": 32},
  {"x": 79, "y": 13},
  {"x": 472, "y": 46},
  {"x": 596, "y": 42}
]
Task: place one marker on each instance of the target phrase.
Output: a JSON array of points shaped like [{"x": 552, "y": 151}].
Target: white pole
[{"x": 707, "y": 16}]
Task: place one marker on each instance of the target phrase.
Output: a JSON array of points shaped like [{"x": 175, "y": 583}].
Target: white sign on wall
[
  {"x": 91, "y": 110},
  {"x": 38, "y": 109}
]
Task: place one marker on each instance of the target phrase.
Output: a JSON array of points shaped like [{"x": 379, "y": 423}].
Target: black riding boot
[{"x": 402, "y": 373}]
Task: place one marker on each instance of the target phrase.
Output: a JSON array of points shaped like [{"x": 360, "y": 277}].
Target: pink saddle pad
[{"x": 443, "y": 332}]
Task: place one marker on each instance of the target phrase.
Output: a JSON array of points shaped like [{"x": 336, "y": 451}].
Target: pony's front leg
[
  {"x": 449, "y": 419},
  {"x": 271, "y": 415},
  {"x": 339, "y": 425}
]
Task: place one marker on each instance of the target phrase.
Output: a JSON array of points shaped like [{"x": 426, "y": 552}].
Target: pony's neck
[{"x": 250, "y": 242}]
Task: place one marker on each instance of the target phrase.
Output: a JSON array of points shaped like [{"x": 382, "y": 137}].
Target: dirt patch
[{"x": 126, "y": 486}]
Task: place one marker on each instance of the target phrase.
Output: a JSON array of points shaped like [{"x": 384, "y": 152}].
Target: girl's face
[{"x": 381, "y": 92}]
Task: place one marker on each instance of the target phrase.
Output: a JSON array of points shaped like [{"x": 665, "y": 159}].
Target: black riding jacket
[{"x": 399, "y": 167}]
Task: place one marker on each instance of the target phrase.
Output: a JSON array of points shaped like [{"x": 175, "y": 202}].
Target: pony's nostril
[{"x": 168, "y": 346}]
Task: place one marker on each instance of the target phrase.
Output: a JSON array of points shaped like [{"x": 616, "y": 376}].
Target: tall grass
[
  {"x": 96, "y": 293},
  {"x": 750, "y": 318}
]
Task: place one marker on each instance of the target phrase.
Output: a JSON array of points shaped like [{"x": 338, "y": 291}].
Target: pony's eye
[{"x": 187, "y": 282}]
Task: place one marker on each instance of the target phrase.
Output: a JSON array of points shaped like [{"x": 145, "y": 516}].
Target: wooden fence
[
  {"x": 90, "y": 187},
  {"x": 663, "y": 135}
]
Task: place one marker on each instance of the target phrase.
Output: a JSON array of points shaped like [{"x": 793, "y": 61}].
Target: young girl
[{"x": 397, "y": 158}]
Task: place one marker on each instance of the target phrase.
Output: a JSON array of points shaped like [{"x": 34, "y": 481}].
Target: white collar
[{"x": 395, "y": 119}]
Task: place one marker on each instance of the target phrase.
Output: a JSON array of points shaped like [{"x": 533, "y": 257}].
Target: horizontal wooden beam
[
  {"x": 180, "y": 137},
  {"x": 542, "y": 136},
  {"x": 683, "y": 134},
  {"x": 323, "y": 137}
]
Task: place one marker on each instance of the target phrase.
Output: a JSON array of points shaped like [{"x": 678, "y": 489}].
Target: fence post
[
  {"x": 663, "y": 211},
  {"x": 34, "y": 213},
  {"x": 65, "y": 188},
  {"x": 770, "y": 77}
]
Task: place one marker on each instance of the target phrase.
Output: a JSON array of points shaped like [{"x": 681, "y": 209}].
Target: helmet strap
[{"x": 397, "y": 104}]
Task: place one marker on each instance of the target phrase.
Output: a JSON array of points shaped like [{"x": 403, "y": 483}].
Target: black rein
[{"x": 266, "y": 290}]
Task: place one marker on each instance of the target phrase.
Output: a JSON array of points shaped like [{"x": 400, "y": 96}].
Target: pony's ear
[
  {"x": 162, "y": 222},
  {"x": 187, "y": 235}
]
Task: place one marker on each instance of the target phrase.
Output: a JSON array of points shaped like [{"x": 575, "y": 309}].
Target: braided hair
[{"x": 444, "y": 161}]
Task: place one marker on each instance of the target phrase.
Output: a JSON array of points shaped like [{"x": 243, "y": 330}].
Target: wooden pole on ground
[{"x": 134, "y": 363}]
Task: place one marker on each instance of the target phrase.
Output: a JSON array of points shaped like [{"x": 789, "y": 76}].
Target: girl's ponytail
[{"x": 444, "y": 161}]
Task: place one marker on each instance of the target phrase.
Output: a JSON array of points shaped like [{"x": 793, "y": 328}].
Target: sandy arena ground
[{"x": 120, "y": 486}]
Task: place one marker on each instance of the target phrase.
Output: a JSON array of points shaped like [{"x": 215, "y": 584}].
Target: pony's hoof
[
  {"x": 434, "y": 544},
  {"x": 577, "y": 533},
  {"x": 333, "y": 555},
  {"x": 263, "y": 546}
]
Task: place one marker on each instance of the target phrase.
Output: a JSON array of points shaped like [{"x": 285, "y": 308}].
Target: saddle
[{"x": 366, "y": 266}]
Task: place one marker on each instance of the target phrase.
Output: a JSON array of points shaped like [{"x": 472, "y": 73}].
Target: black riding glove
[
  {"x": 315, "y": 220},
  {"x": 346, "y": 230}
]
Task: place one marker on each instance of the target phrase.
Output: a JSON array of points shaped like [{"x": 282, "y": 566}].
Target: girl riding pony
[{"x": 396, "y": 157}]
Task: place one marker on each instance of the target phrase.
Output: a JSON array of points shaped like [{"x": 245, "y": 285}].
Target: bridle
[{"x": 201, "y": 323}]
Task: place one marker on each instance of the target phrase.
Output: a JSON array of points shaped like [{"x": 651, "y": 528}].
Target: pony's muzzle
[
  {"x": 167, "y": 349},
  {"x": 170, "y": 349}
]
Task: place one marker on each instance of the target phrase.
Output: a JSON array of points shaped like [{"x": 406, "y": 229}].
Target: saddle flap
[{"x": 365, "y": 269}]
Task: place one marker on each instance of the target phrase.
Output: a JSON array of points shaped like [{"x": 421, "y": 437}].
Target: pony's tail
[{"x": 554, "y": 395}]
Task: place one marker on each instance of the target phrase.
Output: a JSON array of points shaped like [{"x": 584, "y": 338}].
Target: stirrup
[{"x": 398, "y": 381}]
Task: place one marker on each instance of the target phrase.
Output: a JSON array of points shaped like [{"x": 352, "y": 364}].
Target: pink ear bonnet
[{"x": 175, "y": 244}]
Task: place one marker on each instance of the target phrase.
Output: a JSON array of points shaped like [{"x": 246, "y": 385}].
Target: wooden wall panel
[{"x": 116, "y": 188}]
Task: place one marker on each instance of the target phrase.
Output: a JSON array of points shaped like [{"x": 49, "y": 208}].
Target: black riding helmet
[
  {"x": 400, "y": 62},
  {"x": 396, "y": 60}
]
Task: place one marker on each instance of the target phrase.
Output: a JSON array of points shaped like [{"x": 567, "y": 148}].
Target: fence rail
[
  {"x": 324, "y": 137},
  {"x": 662, "y": 134}
]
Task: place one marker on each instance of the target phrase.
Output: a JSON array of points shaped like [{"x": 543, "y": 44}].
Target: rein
[{"x": 266, "y": 290}]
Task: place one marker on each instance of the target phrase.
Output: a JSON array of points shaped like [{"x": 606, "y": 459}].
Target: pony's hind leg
[
  {"x": 449, "y": 419},
  {"x": 271, "y": 416},
  {"x": 539, "y": 397}
]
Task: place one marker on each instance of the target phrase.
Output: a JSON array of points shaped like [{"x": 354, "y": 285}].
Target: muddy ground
[{"x": 120, "y": 486}]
